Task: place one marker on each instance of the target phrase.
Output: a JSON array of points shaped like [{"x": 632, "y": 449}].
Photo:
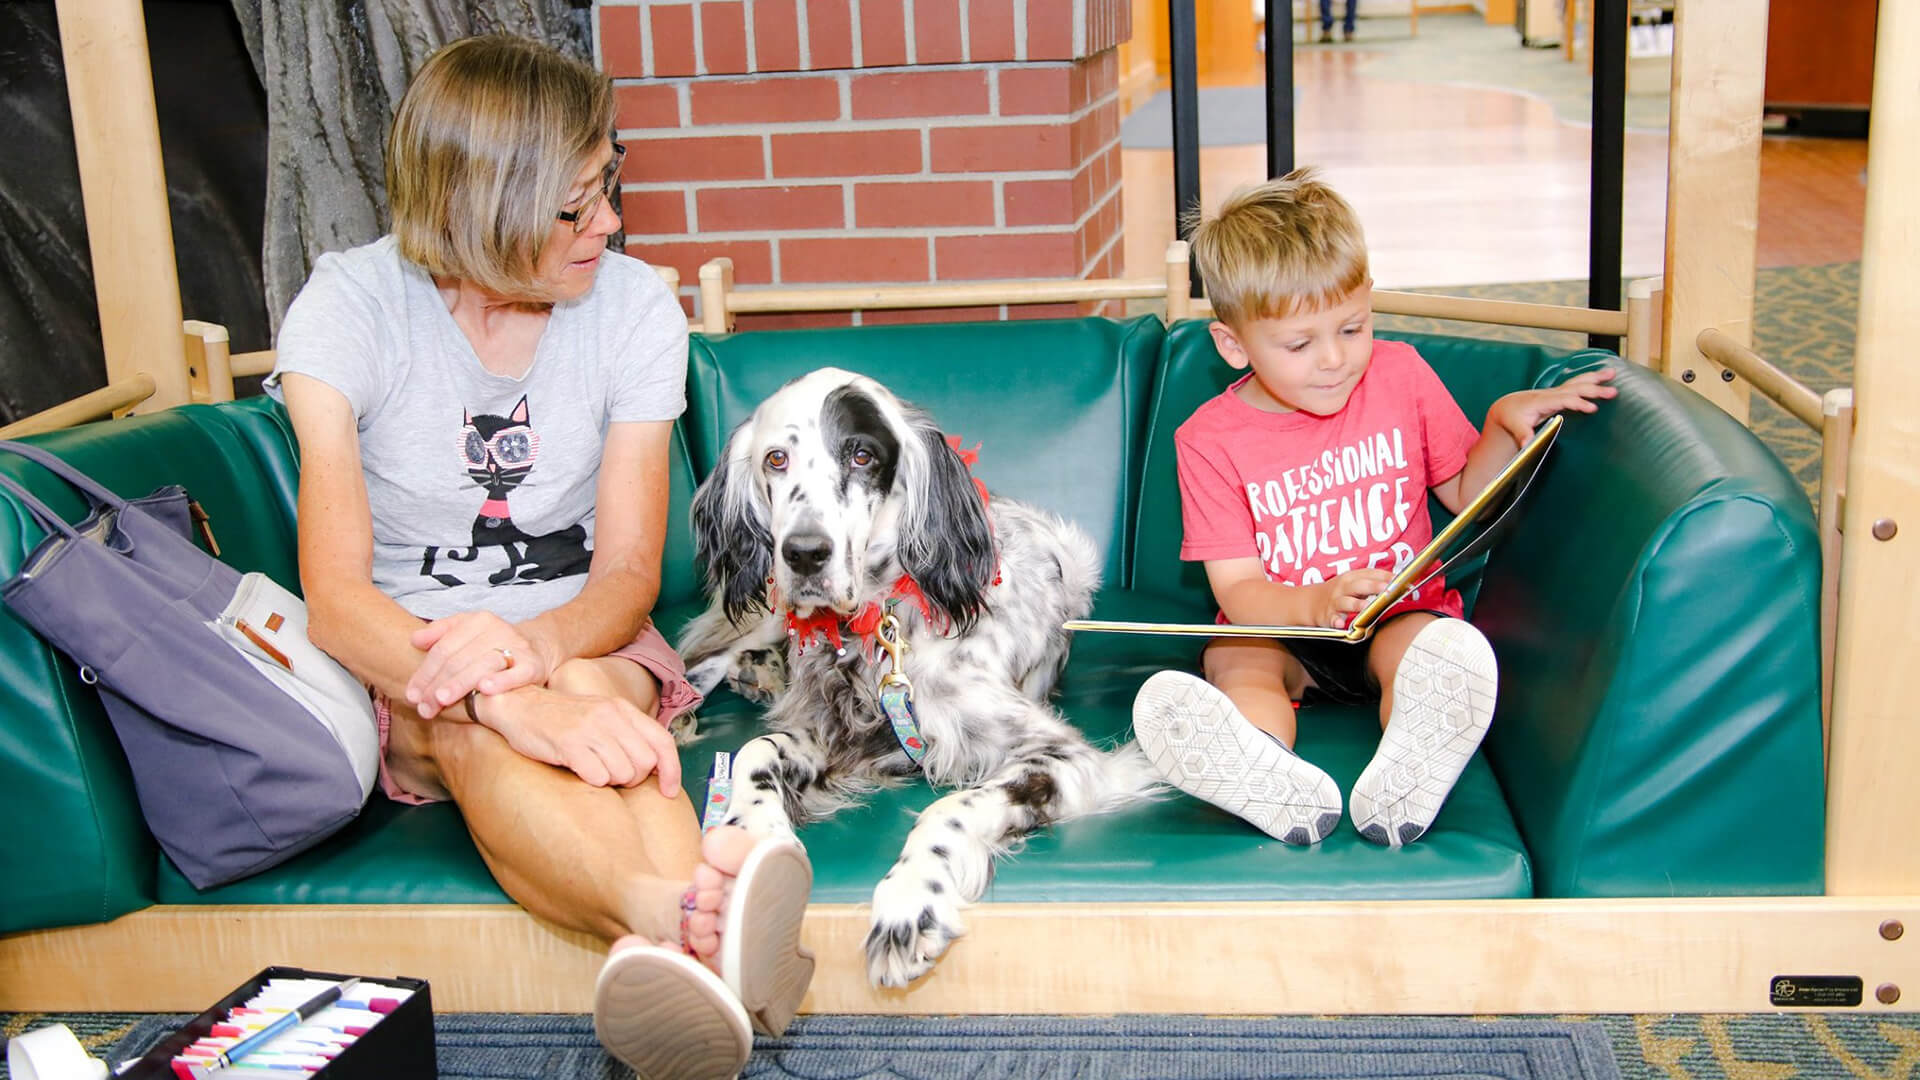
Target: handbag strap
[
  {"x": 96, "y": 492},
  {"x": 39, "y": 511}
]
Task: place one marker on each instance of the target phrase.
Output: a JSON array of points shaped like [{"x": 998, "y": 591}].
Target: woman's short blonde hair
[
  {"x": 485, "y": 146},
  {"x": 1280, "y": 248}
]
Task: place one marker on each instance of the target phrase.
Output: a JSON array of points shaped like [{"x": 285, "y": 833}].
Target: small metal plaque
[{"x": 1815, "y": 991}]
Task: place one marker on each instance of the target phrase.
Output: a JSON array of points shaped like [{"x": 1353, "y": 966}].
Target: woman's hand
[
  {"x": 1518, "y": 413},
  {"x": 475, "y": 650},
  {"x": 1339, "y": 600},
  {"x": 604, "y": 741}
]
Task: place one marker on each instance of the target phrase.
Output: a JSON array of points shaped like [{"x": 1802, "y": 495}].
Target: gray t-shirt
[{"x": 482, "y": 486}]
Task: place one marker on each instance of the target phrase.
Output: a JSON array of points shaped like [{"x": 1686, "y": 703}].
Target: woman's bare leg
[{"x": 609, "y": 861}]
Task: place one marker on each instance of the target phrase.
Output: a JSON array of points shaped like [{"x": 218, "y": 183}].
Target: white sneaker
[
  {"x": 1195, "y": 738},
  {"x": 1443, "y": 697}
]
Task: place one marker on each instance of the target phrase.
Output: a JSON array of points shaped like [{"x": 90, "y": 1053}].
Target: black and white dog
[{"x": 836, "y": 504}]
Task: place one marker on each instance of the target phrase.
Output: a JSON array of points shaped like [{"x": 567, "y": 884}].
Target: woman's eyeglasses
[{"x": 582, "y": 214}]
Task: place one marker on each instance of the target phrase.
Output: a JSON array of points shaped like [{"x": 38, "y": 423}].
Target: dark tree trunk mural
[{"x": 260, "y": 181}]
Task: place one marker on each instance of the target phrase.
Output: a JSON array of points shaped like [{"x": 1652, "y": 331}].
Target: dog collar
[{"x": 806, "y": 630}]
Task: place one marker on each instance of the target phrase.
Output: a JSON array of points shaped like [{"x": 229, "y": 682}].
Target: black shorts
[{"x": 1339, "y": 668}]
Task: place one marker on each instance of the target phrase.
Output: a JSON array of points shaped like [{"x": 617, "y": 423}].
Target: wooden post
[
  {"x": 116, "y": 136},
  {"x": 209, "y": 360},
  {"x": 1836, "y": 442},
  {"x": 1644, "y": 299},
  {"x": 716, "y": 281},
  {"x": 1713, "y": 187},
  {"x": 1179, "y": 282},
  {"x": 1871, "y": 798}
]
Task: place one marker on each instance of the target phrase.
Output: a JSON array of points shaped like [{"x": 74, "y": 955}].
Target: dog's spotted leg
[
  {"x": 771, "y": 776},
  {"x": 947, "y": 862}
]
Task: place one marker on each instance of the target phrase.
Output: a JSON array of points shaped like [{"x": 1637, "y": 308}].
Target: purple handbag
[{"x": 247, "y": 744}]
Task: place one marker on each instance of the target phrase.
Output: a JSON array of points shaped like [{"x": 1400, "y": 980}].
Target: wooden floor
[{"x": 1465, "y": 185}]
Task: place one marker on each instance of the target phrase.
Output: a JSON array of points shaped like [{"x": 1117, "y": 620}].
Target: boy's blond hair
[
  {"x": 485, "y": 146},
  {"x": 1280, "y": 248}
]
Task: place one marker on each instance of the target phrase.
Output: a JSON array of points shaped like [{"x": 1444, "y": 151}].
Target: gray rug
[{"x": 499, "y": 1047}]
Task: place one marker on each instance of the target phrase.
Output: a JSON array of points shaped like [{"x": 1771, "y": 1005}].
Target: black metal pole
[
  {"x": 1185, "y": 93},
  {"x": 1279, "y": 88},
  {"x": 1608, "y": 193}
]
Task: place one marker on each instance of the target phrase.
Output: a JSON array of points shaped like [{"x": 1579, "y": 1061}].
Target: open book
[{"x": 1492, "y": 503}]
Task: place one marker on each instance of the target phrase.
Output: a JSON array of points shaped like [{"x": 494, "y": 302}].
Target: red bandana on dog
[{"x": 805, "y": 630}]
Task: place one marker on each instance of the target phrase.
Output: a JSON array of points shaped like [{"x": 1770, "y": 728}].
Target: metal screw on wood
[
  {"x": 1884, "y": 528},
  {"x": 1892, "y": 929},
  {"x": 1887, "y": 993},
  {"x": 1726, "y": 376},
  {"x": 1687, "y": 375}
]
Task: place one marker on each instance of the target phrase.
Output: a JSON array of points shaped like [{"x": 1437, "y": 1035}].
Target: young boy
[{"x": 1300, "y": 487}]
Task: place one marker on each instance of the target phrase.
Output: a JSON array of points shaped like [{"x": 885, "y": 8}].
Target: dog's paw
[
  {"x": 914, "y": 920},
  {"x": 758, "y": 674}
]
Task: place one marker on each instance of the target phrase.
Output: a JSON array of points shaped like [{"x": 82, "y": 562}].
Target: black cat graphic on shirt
[{"x": 499, "y": 452}]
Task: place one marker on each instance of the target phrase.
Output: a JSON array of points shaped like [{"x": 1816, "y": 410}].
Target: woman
[{"x": 484, "y": 401}]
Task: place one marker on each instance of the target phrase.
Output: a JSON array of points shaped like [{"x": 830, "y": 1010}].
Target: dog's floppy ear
[
  {"x": 730, "y": 533},
  {"x": 946, "y": 542}
]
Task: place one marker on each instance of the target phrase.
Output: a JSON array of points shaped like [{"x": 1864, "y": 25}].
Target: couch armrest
[{"x": 1655, "y": 610}]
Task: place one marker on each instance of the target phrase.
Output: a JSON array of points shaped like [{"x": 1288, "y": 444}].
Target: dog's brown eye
[
  {"x": 862, "y": 458},
  {"x": 777, "y": 460}
]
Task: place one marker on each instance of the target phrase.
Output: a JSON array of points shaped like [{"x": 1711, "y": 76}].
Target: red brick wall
[{"x": 843, "y": 141}]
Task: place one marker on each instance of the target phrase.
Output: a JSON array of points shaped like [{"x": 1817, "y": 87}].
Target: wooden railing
[{"x": 98, "y": 405}]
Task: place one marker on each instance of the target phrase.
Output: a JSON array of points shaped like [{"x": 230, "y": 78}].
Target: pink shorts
[{"x": 650, "y": 650}]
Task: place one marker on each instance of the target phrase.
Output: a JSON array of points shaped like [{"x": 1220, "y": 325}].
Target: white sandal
[
  {"x": 669, "y": 1017},
  {"x": 760, "y": 953}
]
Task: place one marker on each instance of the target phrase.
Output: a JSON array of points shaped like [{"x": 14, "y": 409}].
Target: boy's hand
[
  {"x": 1342, "y": 598},
  {"x": 1518, "y": 412}
]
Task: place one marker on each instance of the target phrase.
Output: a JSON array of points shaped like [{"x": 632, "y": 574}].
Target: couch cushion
[
  {"x": 1057, "y": 405},
  {"x": 390, "y": 854},
  {"x": 1178, "y": 848},
  {"x": 1175, "y": 849}
]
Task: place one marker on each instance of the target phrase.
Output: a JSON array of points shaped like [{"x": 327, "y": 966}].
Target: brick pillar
[{"x": 858, "y": 141}]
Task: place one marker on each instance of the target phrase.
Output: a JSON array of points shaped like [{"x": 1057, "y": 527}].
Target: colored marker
[{"x": 260, "y": 1038}]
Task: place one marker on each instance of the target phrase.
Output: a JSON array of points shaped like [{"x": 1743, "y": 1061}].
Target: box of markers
[{"x": 380, "y": 1029}]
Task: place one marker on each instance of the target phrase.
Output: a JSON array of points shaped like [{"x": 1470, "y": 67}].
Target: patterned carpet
[
  {"x": 1804, "y": 320},
  {"x": 1643, "y": 1047}
]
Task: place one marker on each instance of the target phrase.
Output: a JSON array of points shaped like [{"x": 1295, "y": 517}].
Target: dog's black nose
[{"x": 806, "y": 553}]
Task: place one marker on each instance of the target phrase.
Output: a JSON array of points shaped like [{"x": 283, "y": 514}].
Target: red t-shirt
[{"x": 1313, "y": 497}]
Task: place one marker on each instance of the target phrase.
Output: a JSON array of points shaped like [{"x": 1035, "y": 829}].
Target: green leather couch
[{"x": 1654, "y": 613}]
